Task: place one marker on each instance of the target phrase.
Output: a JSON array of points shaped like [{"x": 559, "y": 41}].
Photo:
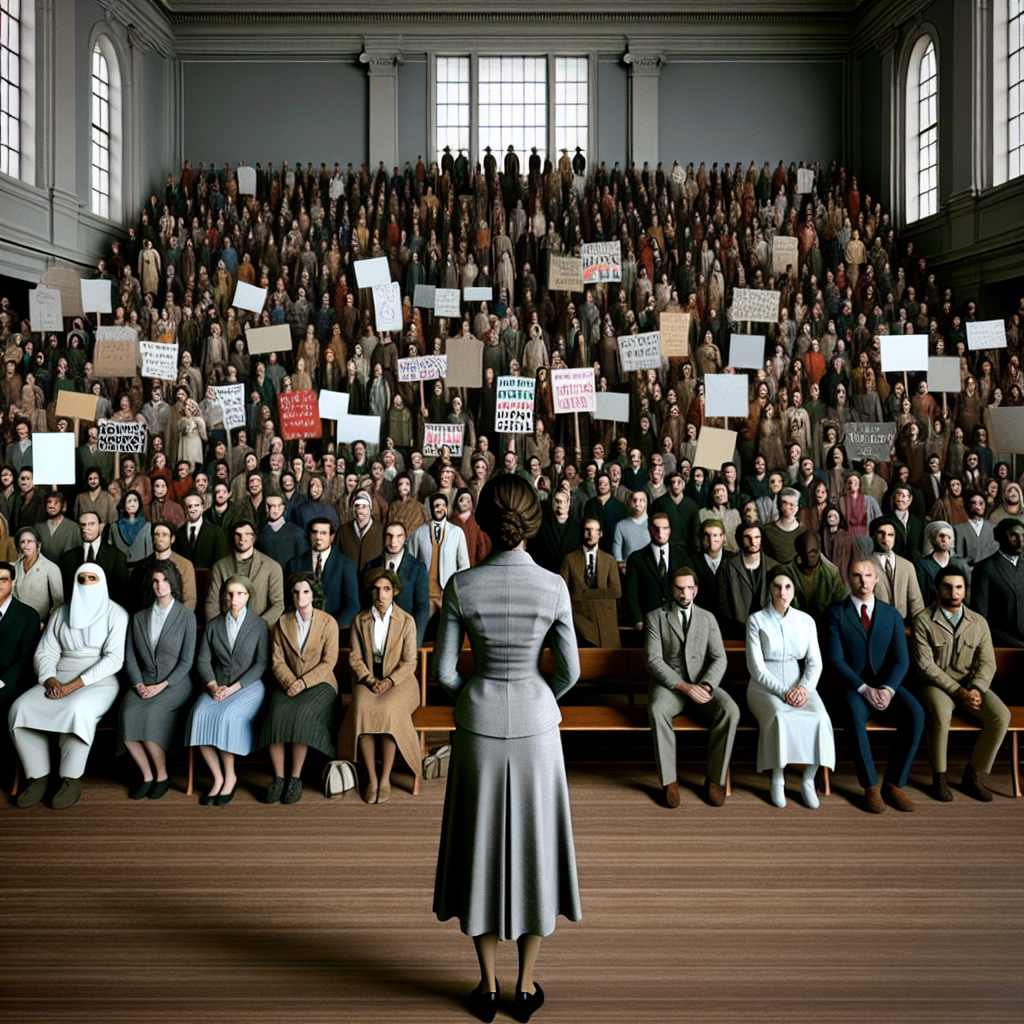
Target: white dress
[{"x": 776, "y": 645}]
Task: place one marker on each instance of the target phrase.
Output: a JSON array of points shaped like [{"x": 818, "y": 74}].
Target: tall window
[
  {"x": 10, "y": 87},
  {"x": 100, "y": 134},
  {"x": 1015, "y": 91},
  {"x": 513, "y": 105},
  {"x": 571, "y": 103},
  {"x": 452, "y": 104},
  {"x": 921, "y": 139}
]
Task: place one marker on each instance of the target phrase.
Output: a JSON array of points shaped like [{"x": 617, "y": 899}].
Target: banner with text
[
  {"x": 387, "y": 304},
  {"x": 513, "y": 412},
  {"x": 159, "y": 360},
  {"x": 442, "y": 435},
  {"x": 675, "y": 334},
  {"x": 640, "y": 351},
  {"x": 754, "y": 305},
  {"x": 573, "y": 390},
  {"x": 300, "y": 415},
  {"x": 231, "y": 398},
  {"x": 122, "y": 437},
  {"x": 422, "y": 368},
  {"x": 602, "y": 261},
  {"x": 565, "y": 274},
  {"x": 869, "y": 440}
]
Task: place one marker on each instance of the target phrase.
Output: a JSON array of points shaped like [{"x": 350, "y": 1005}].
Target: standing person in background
[{"x": 595, "y": 586}]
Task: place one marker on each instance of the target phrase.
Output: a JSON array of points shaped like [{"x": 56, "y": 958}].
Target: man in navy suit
[
  {"x": 415, "y": 595},
  {"x": 19, "y": 634},
  {"x": 335, "y": 570},
  {"x": 867, "y": 648}
]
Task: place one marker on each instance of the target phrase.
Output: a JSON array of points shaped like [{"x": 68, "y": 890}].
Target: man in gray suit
[
  {"x": 975, "y": 539},
  {"x": 686, "y": 662}
]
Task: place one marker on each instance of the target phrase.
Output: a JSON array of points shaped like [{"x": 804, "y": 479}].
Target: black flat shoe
[
  {"x": 525, "y": 1004},
  {"x": 224, "y": 798},
  {"x": 207, "y": 801},
  {"x": 159, "y": 788},
  {"x": 485, "y": 1004},
  {"x": 141, "y": 791}
]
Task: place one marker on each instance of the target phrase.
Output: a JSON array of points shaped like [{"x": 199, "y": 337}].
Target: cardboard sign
[
  {"x": 904, "y": 352},
  {"x": 785, "y": 253},
  {"x": 371, "y": 272},
  {"x": 246, "y": 178},
  {"x": 869, "y": 440},
  {"x": 447, "y": 302},
  {"x": 746, "y": 351},
  {"x": 45, "y": 309},
  {"x": 159, "y": 360},
  {"x": 804, "y": 180},
  {"x": 121, "y": 333},
  {"x": 611, "y": 405},
  {"x": 726, "y": 394},
  {"x": 715, "y": 447},
  {"x": 943, "y": 373},
  {"x": 96, "y": 296},
  {"x": 1007, "y": 430},
  {"x": 565, "y": 274},
  {"x": 601, "y": 261},
  {"x": 983, "y": 334},
  {"x": 465, "y": 363},
  {"x": 675, "y": 335},
  {"x": 359, "y": 428},
  {"x": 573, "y": 390},
  {"x": 115, "y": 357},
  {"x": 69, "y": 284},
  {"x": 513, "y": 410},
  {"x": 299, "y": 415},
  {"x": 442, "y": 435},
  {"x": 333, "y": 405},
  {"x": 261, "y": 340},
  {"x": 478, "y": 294},
  {"x": 231, "y": 398},
  {"x": 754, "y": 305},
  {"x": 423, "y": 296},
  {"x": 76, "y": 406},
  {"x": 53, "y": 459},
  {"x": 640, "y": 351},
  {"x": 387, "y": 306},
  {"x": 249, "y": 297},
  {"x": 122, "y": 437},
  {"x": 422, "y": 368}
]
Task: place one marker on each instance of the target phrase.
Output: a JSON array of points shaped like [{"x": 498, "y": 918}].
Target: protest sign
[
  {"x": 359, "y": 428},
  {"x": 442, "y": 435},
  {"x": 746, "y": 351},
  {"x": 573, "y": 390},
  {"x": 121, "y": 333},
  {"x": 333, "y": 404},
  {"x": 246, "y": 177},
  {"x": 69, "y": 284},
  {"x": 387, "y": 304},
  {"x": 513, "y": 411},
  {"x": 423, "y": 296},
  {"x": 122, "y": 437},
  {"x": 983, "y": 334},
  {"x": 422, "y": 368},
  {"x": 373, "y": 271},
  {"x": 159, "y": 360},
  {"x": 869, "y": 440},
  {"x": 804, "y": 180},
  {"x": 53, "y": 459},
  {"x": 675, "y": 334},
  {"x": 565, "y": 274},
  {"x": 715, "y": 447},
  {"x": 754, "y": 305},
  {"x": 117, "y": 353},
  {"x": 231, "y": 398},
  {"x": 726, "y": 394},
  {"x": 943, "y": 373},
  {"x": 76, "y": 406},
  {"x": 478, "y": 294},
  {"x": 45, "y": 309},
  {"x": 903, "y": 353},
  {"x": 640, "y": 351},
  {"x": 96, "y": 296},
  {"x": 611, "y": 405},
  {"x": 1007, "y": 429},
  {"x": 447, "y": 302},
  {"x": 785, "y": 252},
  {"x": 249, "y": 297},
  {"x": 465, "y": 363},
  {"x": 300, "y": 415},
  {"x": 268, "y": 339},
  {"x": 601, "y": 261}
]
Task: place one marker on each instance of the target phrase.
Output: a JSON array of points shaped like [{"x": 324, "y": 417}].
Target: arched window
[
  {"x": 105, "y": 132},
  {"x": 10, "y": 87},
  {"x": 1007, "y": 91},
  {"x": 922, "y": 131}
]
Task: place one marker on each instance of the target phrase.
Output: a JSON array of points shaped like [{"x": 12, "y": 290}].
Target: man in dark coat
[
  {"x": 199, "y": 540},
  {"x": 558, "y": 535},
  {"x": 997, "y": 587},
  {"x": 649, "y": 571},
  {"x": 93, "y": 549},
  {"x": 19, "y": 634}
]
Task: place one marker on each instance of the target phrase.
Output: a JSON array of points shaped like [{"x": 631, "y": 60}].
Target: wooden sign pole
[{"x": 579, "y": 445}]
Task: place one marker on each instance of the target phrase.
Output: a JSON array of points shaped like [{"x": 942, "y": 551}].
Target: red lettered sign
[{"x": 300, "y": 415}]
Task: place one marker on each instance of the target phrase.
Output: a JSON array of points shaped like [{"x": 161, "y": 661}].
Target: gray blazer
[
  {"x": 175, "y": 649},
  {"x": 245, "y": 664},
  {"x": 973, "y": 548},
  {"x": 507, "y": 605},
  {"x": 663, "y": 648}
]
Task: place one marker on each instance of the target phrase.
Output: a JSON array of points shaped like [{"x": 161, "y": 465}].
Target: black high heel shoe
[
  {"x": 485, "y": 1004},
  {"x": 525, "y": 1003}
]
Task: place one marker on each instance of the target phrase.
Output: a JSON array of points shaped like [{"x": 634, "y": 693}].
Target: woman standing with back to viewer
[{"x": 507, "y": 866}]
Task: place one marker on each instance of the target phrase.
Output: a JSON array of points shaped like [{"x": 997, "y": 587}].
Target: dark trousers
[{"x": 905, "y": 714}]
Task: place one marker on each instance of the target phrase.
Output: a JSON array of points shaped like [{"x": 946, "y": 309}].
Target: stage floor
[{"x": 121, "y": 911}]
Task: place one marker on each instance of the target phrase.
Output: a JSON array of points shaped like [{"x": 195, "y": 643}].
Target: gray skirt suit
[{"x": 506, "y": 862}]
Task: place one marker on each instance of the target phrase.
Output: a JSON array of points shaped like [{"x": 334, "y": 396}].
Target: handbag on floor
[
  {"x": 435, "y": 764},
  {"x": 339, "y": 778}
]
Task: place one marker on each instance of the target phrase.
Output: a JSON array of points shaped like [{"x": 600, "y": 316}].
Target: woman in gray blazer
[
  {"x": 507, "y": 866},
  {"x": 159, "y": 652},
  {"x": 231, "y": 662}
]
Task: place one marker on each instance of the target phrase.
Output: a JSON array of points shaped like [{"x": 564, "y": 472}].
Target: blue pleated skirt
[{"x": 227, "y": 724}]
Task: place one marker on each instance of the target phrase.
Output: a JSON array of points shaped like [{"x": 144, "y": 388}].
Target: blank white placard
[
  {"x": 610, "y": 405},
  {"x": 96, "y": 296},
  {"x": 333, "y": 405},
  {"x": 904, "y": 353},
  {"x": 746, "y": 351},
  {"x": 726, "y": 394},
  {"x": 53, "y": 459},
  {"x": 371, "y": 272},
  {"x": 249, "y": 297}
]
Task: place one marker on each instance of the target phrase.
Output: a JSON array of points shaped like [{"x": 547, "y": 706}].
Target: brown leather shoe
[
  {"x": 873, "y": 800},
  {"x": 672, "y": 794},
  {"x": 973, "y": 786},
  {"x": 940, "y": 788},
  {"x": 715, "y": 794},
  {"x": 895, "y": 797}
]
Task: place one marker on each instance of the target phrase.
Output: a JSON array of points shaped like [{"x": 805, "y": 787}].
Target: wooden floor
[{"x": 120, "y": 911}]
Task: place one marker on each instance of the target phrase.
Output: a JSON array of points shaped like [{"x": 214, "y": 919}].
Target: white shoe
[
  {"x": 779, "y": 791},
  {"x": 810, "y": 794}
]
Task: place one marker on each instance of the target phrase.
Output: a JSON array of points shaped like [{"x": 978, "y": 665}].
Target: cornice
[
  {"x": 146, "y": 22},
  {"x": 879, "y": 22}
]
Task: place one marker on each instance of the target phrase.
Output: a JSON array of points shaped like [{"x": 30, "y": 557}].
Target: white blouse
[{"x": 775, "y": 646}]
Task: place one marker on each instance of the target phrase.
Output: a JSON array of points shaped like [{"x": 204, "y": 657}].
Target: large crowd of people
[{"x": 787, "y": 546}]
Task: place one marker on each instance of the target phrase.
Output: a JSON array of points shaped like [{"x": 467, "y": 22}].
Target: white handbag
[
  {"x": 339, "y": 778},
  {"x": 435, "y": 764}
]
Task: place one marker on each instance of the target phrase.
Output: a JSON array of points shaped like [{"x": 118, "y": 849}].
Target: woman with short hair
[{"x": 37, "y": 580}]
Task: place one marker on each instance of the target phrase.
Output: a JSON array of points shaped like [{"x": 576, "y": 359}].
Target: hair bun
[{"x": 512, "y": 528}]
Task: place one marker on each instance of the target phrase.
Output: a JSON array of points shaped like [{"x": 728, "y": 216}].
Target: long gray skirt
[
  {"x": 226, "y": 724},
  {"x": 506, "y": 863},
  {"x": 153, "y": 719},
  {"x": 304, "y": 718}
]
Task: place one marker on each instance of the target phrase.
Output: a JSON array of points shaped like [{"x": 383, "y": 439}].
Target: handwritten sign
[
  {"x": 904, "y": 352},
  {"x": 268, "y": 339},
  {"x": 675, "y": 334},
  {"x": 715, "y": 447},
  {"x": 746, "y": 351},
  {"x": 610, "y": 405},
  {"x": 754, "y": 305},
  {"x": 249, "y": 297},
  {"x": 804, "y": 180},
  {"x": 246, "y": 177},
  {"x": 442, "y": 435},
  {"x": 422, "y": 368},
  {"x": 943, "y": 373},
  {"x": 300, "y": 415},
  {"x": 601, "y": 261},
  {"x": 640, "y": 351},
  {"x": 371, "y": 272},
  {"x": 53, "y": 458},
  {"x": 96, "y": 296},
  {"x": 785, "y": 253},
  {"x": 115, "y": 356},
  {"x": 387, "y": 305},
  {"x": 513, "y": 409},
  {"x": 231, "y": 398},
  {"x": 447, "y": 302},
  {"x": 45, "y": 309},
  {"x": 122, "y": 437},
  {"x": 423, "y": 296},
  {"x": 573, "y": 390},
  {"x": 333, "y": 404},
  {"x": 121, "y": 333},
  {"x": 478, "y": 294},
  {"x": 159, "y": 360},
  {"x": 725, "y": 394},
  {"x": 76, "y": 406},
  {"x": 869, "y": 440},
  {"x": 565, "y": 274},
  {"x": 983, "y": 334}
]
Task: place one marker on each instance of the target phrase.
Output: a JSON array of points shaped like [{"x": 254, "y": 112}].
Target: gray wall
[
  {"x": 612, "y": 111},
  {"x": 721, "y": 110},
  {"x": 412, "y": 111},
  {"x": 156, "y": 156},
  {"x": 275, "y": 111},
  {"x": 873, "y": 125}
]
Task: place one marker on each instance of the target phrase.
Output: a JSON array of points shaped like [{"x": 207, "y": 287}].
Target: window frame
[
  {"x": 914, "y": 53},
  {"x": 108, "y": 49},
  {"x": 1002, "y": 156},
  {"x": 13, "y": 56}
]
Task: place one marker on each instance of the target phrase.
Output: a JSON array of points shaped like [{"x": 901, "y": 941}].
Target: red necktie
[{"x": 865, "y": 618}]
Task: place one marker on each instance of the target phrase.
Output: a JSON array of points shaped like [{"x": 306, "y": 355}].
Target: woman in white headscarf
[{"x": 79, "y": 654}]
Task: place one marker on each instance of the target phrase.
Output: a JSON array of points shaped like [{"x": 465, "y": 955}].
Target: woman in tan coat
[
  {"x": 384, "y": 690},
  {"x": 300, "y": 710}
]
